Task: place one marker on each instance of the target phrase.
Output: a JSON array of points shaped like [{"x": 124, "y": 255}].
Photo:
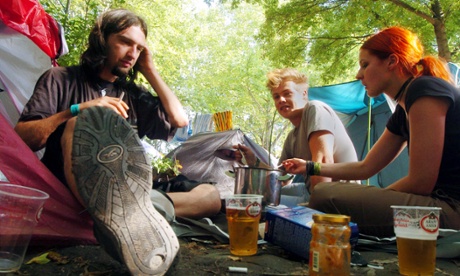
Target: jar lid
[{"x": 331, "y": 218}]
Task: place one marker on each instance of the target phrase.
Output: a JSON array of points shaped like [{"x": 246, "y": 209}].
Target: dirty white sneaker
[{"x": 114, "y": 179}]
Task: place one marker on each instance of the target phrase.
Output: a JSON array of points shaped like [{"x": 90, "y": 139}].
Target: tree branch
[
  {"x": 408, "y": 7},
  {"x": 335, "y": 38}
]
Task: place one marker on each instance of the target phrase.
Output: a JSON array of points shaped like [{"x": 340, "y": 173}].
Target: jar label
[{"x": 315, "y": 261}]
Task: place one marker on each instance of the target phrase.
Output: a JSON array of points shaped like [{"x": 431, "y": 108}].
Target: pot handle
[
  {"x": 230, "y": 173},
  {"x": 286, "y": 177}
]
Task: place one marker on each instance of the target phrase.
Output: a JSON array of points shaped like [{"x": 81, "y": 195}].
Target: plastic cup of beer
[
  {"x": 20, "y": 209},
  {"x": 243, "y": 216},
  {"x": 416, "y": 230}
]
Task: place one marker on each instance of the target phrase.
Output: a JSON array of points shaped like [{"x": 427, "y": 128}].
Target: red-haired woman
[{"x": 426, "y": 120}]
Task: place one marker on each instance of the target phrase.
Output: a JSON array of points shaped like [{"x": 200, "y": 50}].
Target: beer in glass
[
  {"x": 243, "y": 216},
  {"x": 416, "y": 230}
]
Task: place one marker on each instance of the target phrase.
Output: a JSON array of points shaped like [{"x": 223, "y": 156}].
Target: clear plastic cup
[
  {"x": 20, "y": 209},
  {"x": 416, "y": 230},
  {"x": 243, "y": 217}
]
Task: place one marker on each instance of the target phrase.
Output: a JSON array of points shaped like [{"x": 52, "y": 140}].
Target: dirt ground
[{"x": 208, "y": 257}]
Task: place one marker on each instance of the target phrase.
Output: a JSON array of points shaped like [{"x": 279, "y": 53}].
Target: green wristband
[
  {"x": 75, "y": 109},
  {"x": 313, "y": 168},
  {"x": 316, "y": 168}
]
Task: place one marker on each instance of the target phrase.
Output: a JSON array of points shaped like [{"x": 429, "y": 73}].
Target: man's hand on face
[{"x": 145, "y": 61}]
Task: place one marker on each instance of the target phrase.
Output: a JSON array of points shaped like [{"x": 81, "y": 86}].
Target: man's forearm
[
  {"x": 35, "y": 133},
  {"x": 171, "y": 103}
]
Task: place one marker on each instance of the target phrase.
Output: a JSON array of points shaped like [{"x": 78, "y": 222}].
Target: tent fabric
[
  {"x": 455, "y": 70},
  {"x": 63, "y": 220},
  {"x": 30, "y": 40},
  {"x": 203, "y": 157},
  {"x": 30, "y": 19},
  {"x": 360, "y": 136},
  {"x": 349, "y": 97},
  {"x": 15, "y": 69},
  {"x": 365, "y": 120}
]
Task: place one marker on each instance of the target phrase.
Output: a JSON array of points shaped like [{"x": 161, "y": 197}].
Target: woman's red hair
[{"x": 407, "y": 47}]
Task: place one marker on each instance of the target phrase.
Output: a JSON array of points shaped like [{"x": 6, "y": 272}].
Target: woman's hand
[{"x": 295, "y": 166}]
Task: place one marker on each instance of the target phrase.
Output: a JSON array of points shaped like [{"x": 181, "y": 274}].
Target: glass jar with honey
[{"x": 330, "y": 250}]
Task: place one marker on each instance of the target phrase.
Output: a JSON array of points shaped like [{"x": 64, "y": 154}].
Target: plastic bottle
[{"x": 330, "y": 250}]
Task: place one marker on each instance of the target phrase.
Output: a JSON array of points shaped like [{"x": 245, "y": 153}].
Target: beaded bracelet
[{"x": 75, "y": 109}]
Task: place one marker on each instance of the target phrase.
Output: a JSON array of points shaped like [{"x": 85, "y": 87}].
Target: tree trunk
[
  {"x": 440, "y": 31},
  {"x": 437, "y": 20}
]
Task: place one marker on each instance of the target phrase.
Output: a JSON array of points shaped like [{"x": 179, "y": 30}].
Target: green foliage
[
  {"x": 166, "y": 166},
  {"x": 328, "y": 33},
  {"x": 77, "y": 17}
]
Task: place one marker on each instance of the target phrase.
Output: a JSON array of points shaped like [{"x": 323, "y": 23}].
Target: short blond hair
[{"x": 277, "y": 76}]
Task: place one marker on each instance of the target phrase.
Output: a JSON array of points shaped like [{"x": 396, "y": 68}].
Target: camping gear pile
[{"x": 203, "y": 157}]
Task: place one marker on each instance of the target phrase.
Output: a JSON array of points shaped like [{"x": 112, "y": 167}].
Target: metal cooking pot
[{"x": 261, "y": 181}]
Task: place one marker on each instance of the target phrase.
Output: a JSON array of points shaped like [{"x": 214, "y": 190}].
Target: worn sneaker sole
[{"x": 114, "y": 178}]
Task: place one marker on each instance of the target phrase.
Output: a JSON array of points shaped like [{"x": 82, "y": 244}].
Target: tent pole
[
  {"x": 369, "y": 119},
  {"x": 271, "y": 137}
]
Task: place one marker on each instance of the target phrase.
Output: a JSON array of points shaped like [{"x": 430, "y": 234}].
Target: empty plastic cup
[{"x": 20, "y": 209}]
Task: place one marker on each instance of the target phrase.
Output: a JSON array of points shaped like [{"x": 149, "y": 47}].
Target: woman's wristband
[
  {"x": 313, "y": 168},
  {"x": 75, "y": 109}
]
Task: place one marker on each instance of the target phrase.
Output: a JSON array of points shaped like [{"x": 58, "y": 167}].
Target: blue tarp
[
  {"x": 348, "y": 98},
  {"x": 364, "y": 129}
]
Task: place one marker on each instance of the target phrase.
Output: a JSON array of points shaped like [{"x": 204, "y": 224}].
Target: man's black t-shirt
[{"x": 60, "y": 87}]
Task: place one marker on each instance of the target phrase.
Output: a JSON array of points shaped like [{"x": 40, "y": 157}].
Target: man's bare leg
[
  {"x": 108, "y": 171},
  {"x": 66, "y": 145},
  {"x": 201, "y": 201}
]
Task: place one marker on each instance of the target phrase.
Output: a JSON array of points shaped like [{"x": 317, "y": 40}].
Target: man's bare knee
[{"x": 209, "y": 193}]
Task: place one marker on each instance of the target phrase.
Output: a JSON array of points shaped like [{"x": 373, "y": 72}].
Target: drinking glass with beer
[
  {"x": 243, "y": 216},
  {"x": 416, "y": 230}
]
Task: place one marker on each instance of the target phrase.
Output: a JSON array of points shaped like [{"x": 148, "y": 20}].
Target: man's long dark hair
[{"x": 110, "y": 22}]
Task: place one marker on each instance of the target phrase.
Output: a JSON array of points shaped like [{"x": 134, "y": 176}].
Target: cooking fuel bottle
[{"x": 330, "y": 249}]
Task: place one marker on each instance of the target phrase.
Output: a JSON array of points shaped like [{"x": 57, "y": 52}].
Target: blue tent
[{"x": 365, "y": 119}]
